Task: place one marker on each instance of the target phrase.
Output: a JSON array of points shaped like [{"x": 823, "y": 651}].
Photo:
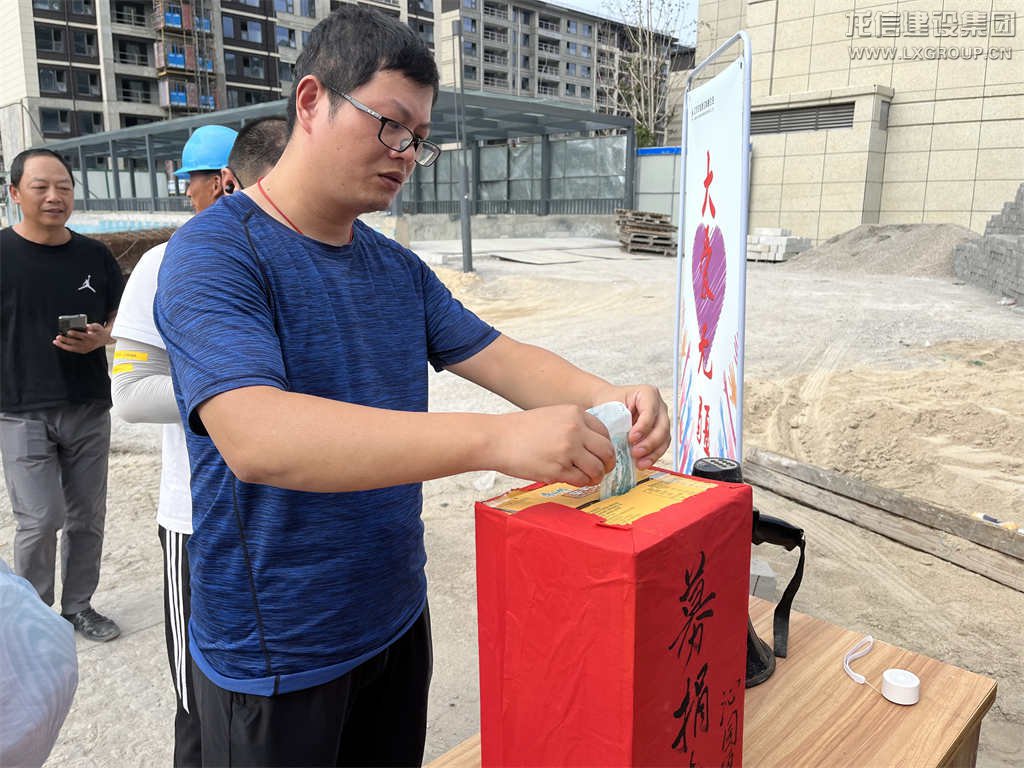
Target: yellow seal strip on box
[
  {"x": 654, "y": 491},
  {"x": 122, "y": 368},
  {"x": 659, "y": 491}
]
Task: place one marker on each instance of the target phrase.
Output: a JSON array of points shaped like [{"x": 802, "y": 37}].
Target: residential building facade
[
  {"x": 75, "y": 67},
  {"x": 910, "y": 111},
  {"x": 535, "y": 50}
]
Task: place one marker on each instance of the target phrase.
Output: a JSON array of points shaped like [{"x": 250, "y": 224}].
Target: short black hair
[
  {"x": 257, "y": 148},
  {"x": 18, "y": 164},
  {"x": 350, "y": 46}
]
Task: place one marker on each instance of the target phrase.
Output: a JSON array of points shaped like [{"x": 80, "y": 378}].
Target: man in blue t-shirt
[{"x": 299, "y": 342}]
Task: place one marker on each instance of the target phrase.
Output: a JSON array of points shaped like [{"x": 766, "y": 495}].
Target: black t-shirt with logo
[{"x": 38, "y": 283}]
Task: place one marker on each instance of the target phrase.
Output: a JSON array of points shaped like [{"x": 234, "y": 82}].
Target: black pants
[
  {"x": 177, "y": 609},
  {"x": 374, "y": 715}
]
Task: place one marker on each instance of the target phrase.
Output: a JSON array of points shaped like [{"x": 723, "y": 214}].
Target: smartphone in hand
[{"x": 67, "y": 323}]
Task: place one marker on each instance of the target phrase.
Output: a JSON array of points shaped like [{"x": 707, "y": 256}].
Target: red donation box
[{"x": 613, "y": 633}]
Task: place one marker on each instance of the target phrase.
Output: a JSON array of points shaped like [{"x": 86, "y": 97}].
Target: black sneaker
[{"x": 93, "y": 625}]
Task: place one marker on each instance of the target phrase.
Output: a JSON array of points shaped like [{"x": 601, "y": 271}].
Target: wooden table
[{"x": 809, "y": 713}]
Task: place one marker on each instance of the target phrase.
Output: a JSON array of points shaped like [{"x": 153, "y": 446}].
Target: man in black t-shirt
[{"x": 55, "y": 390}]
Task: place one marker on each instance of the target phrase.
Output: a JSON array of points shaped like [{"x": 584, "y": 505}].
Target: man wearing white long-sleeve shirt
[{"x": 142, "y": 390}]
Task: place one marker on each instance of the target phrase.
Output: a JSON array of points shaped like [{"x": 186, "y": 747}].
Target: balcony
[
  {"x": 496, "y": 36},
  {"x": 130, "y": 17},
  {"x": 137, "y": 95},
  {"x": 550, "y": 26},
  {"x": 135, "y": 58},
  {"x": 547, "y": 90},
  {"x": 547, "y": 69},
  {"x": 545, "y": 47},
  {"x": 495, "y": 58},
  {"x": 496, "y": 13},
  {"x": 496, "y": 81}
]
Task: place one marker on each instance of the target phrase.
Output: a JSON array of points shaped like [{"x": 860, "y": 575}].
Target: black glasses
[{"x": 394, "y": 135}]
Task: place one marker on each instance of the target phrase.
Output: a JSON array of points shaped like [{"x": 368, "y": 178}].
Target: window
[
  {"x": 55, "y": 6},
  {"x": 228, "y": 23},
  {"x": 305, "y": 38},
  {"x": 426, "y": 5},
  {"x": 585, "y": 70},
  {"x": 83, "y": 8},
  {"x": 53, "y": 80},
  {"x": 135, "y": 90},
  {"x": 570, "y": 48},
  {"x": 524, "y": 84},
  {"x": 230, "y": 63},
  {"x": 526, "y": 39},
  {"x": 89, "y": 122},
  {"x": 251, "y": 31},
  {"x": 85, "y": 43},
  {"x": 570, "y": 89},
  {"x": 469, "y": 72},
  {"x": 584, "y": 50},
  {"x": 586, "y": 29},
  {"x": 285, "y": 37},
  {"x": 585, "y": 91},
  {"x": 526, "y": 61},
  {"x": 425, "y": 31},
  {"x": 285, "y": 71},
  {"x": 469, "y": 3},
  {"x": 284, "y": 6},
  {"x": 253, "y": 67},
  {"x": 524, "y": 16},
  {"x": 307, "y": 8},
  {"x": 570, "y": 69},
  {"x": 54, "y": 121},
  {"x": 87, "y": 83},
  {"x": 49, "y": 39},
  {"x": 571, "y": 26},
  {"x": 469, "y": 25},
  {"x": 131, "y": 52},
  {"x": 469, "y": 48}
]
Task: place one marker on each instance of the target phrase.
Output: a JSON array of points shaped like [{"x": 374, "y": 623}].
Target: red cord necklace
[{"x": 259, "y": 183}]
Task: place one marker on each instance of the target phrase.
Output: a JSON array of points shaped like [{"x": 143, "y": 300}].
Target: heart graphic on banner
[{"x": 708, "y": 286}]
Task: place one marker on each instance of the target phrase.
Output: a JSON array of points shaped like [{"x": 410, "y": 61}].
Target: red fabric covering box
[{"x": 615, "y": 634}]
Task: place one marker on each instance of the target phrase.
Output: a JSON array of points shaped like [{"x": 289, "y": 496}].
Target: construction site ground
[{"x": 866, "y": 356}]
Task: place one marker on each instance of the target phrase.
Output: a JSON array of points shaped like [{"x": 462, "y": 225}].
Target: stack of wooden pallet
[{"x": 645, "y": 232}]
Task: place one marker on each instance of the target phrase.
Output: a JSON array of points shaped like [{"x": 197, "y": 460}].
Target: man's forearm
[
  {"x": 288, "y": 440},
  {"x": 531, "y": 377}
]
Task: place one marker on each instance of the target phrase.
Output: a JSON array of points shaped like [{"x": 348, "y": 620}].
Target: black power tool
[{"x": 770, "y": 530}]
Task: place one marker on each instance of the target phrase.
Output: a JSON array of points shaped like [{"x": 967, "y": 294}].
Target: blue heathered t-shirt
[{"x": 292, "y": 589}]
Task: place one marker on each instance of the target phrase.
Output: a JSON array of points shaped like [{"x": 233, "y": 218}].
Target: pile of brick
[
  {"x": 995, "y": 262},
  {"x": 646, "y": 232},
  {"x": 774, "y": 244}
]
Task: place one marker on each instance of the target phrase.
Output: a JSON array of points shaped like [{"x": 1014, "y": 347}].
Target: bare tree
[{"x": 638, "y": 83}]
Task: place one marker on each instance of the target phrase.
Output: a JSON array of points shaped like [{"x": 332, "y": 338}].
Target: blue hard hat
[{"x": 207, "y": 149}]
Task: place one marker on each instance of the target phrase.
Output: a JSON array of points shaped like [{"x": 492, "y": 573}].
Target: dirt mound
[
  {"x": 128, "y": 247},
  {"x": 916, "y": 250}
]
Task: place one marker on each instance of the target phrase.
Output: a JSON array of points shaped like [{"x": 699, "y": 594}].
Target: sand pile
[{"x": 915, "y": 250}]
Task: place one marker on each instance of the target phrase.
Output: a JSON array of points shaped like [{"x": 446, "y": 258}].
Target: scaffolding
[{"x": 185, "y": 52}]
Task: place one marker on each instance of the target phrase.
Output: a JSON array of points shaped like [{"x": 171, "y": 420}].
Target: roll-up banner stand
[{"x": 711, "y": 263}]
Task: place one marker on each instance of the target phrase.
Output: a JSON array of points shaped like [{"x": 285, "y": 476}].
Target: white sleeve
[
  {"x": 141, "y": 385},
  {"x": 135, "y": 313}
]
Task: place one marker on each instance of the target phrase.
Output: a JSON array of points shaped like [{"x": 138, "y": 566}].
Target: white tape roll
[{"x": 901, "y": 687}]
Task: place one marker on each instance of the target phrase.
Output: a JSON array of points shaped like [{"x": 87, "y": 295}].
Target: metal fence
[
  {"x": 572, "y": 207},
  {"x": 176, "y": 204}
]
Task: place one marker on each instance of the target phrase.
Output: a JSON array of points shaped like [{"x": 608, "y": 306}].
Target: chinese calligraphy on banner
[{"x": 712, "y": 273}]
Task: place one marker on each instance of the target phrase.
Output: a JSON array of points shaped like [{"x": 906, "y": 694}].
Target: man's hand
[
  {"x": 555, "y": 444},
  {"x": 94, "y": 336},
  {"x": 651, "y": 432}
]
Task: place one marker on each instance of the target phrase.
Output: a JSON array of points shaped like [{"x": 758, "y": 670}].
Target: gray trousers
[{"x": 55, "y": 464}]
